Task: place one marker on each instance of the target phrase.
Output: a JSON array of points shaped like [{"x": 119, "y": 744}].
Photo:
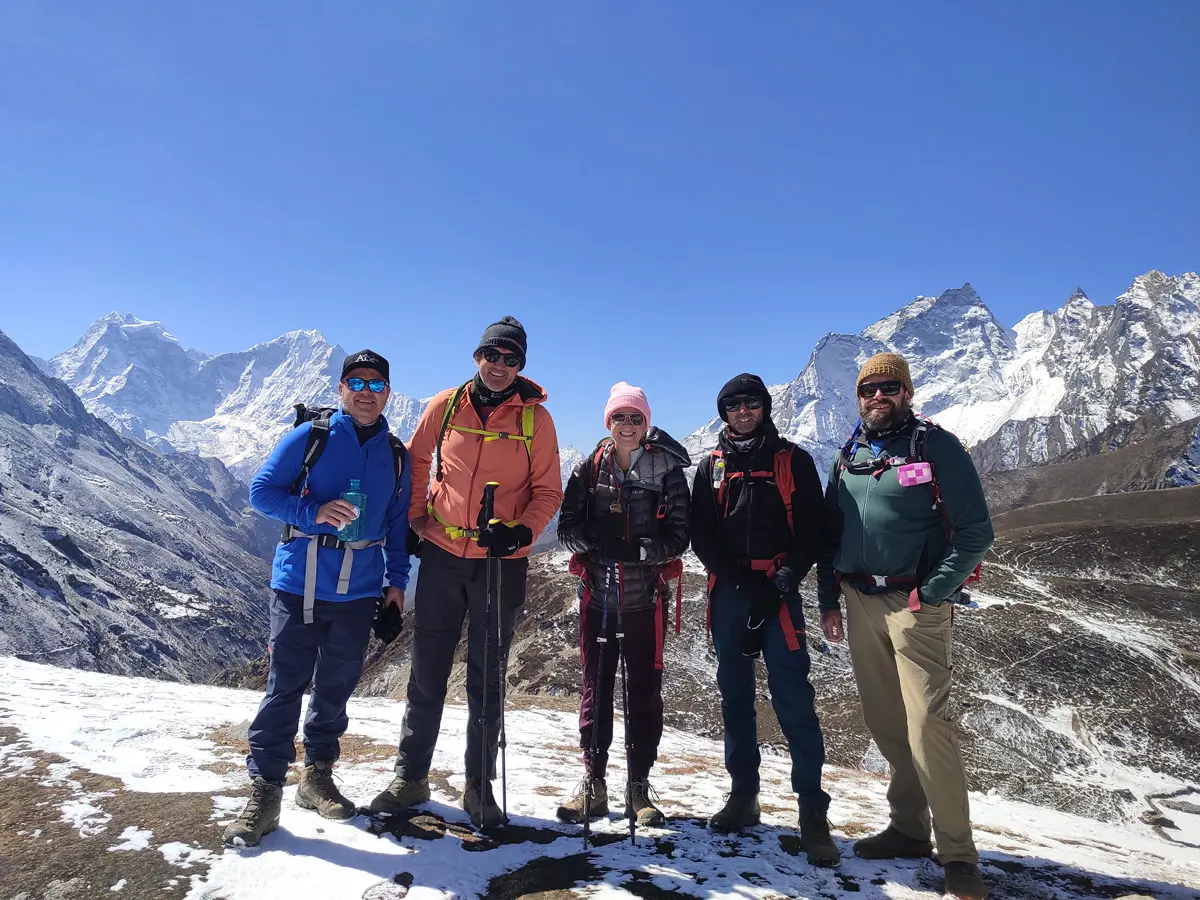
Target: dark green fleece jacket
[{"x": 878, "y": 527}]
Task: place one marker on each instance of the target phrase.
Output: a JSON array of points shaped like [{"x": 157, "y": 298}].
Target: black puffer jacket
[
  {"x": 655, "y": 484},
  {"x": 756, "y": 526}
]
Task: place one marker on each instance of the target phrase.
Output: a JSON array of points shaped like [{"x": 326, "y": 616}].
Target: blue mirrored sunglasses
[{"x": 376, "y": 385}]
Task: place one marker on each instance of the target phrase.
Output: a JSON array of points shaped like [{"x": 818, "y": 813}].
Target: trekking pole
[
  {"x": 625, "y": 712},
  {"x": 489, "y": 516},
  {"x": 597, "y": 686},
  {"x": 502, "y": 662}
]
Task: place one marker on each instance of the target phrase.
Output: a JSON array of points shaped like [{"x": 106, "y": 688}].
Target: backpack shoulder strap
[
  {"x": 399, "y": 457},
  {"x": 447, "y": 414},
  {"x": 717, "y": 457},
  {"x": 785, "y": 481},
  {"x": 314, "y": 446}
]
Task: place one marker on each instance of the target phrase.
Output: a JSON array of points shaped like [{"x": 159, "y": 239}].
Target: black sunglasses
[
  {"x": 732, "y": 403},
  {"x": 889, "y": 388},
  {"x": 494, "y": 356},
  {"x": 377, "y": 385},
  {"x": 631, "y": 418}
]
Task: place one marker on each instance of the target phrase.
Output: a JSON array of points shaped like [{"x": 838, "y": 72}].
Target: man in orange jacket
[{"x": 494, "y": 428}]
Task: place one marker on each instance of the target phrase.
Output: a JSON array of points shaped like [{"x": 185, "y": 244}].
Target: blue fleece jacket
[{"x": 386, "y": 511}]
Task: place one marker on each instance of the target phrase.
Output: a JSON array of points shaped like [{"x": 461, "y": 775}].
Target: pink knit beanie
[{"x": 625, "y": 395}]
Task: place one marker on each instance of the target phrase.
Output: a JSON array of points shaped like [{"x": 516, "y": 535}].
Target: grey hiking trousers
[{"x": 449, "y": 590}]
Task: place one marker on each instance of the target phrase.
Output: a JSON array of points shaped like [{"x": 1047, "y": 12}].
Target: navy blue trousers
[
  {"x": 328, "y": 654},
  {"x": 791, "y": 695}
]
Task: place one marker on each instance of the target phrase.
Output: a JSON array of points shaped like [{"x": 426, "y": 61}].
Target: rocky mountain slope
[
  {"x": 1018, "y": 396},
  {"x": 115, "y": 557}
]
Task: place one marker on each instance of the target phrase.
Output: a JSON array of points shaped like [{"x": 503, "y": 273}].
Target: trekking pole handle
[{"x": 489, "y": 502}]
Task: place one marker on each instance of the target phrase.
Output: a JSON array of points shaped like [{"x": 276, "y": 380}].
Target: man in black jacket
[{"x": 757, "y": 525}]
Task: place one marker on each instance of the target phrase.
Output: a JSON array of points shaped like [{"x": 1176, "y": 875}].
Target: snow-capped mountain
[
  {"x": 112, "y": 555},
  {"x": 138, "y": 377},
  {"x": 1023, "y": 395}
]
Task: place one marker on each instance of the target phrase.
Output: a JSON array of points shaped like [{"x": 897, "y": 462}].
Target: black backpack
[{"x": 318, "y": 437}]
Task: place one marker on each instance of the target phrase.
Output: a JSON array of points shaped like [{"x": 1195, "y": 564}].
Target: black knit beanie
[
  {"x": 508, "y": 332},
  {"x": 747, "y": 385}
]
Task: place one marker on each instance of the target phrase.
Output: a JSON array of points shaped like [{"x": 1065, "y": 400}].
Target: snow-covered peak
[{"x": 1079, "y": 298}]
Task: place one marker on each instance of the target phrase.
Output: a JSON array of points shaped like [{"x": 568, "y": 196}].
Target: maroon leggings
[{"x": 644, "y": 722}]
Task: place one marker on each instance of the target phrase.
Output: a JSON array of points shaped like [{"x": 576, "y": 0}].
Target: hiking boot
[
  {"x": 572, "y": 810},
  {"x": 740, "y": 811},
  {"x": 963, "y": 881},
  {"x": 317, "y": 791},
  {"x": 892, "y": 844},
  {"x": 816, "y": 841},
  {"x": 484, "y": 812},
  {"x": 261, "y": 815},
  {"x": 639, "y": 804},
  {"x": 402, "y": 794}
]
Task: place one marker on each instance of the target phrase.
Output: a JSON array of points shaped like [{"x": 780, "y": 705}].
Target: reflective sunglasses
[
  {"x": 631, "y": 418},
  {"x": 494, "y": 356},
  {"x": 732, "y": 403},
  {"x": 376, "y": 385},
  {"x": 889, "y": 388}
]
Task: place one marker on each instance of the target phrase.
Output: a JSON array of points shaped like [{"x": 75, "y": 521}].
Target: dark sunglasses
[
  {"x": 732, "y": 403},
  {"x": 631, "y": 418},
  {"x": 376, "y": 385},
  {"x": 494, "y": 356},
  {"x": 889, "y": 388}
]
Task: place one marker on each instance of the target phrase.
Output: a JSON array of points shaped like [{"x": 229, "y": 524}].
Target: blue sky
[{"x": 666, "y": 192}]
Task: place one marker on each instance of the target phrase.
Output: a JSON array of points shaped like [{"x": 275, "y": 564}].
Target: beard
[{"x": 886, "y": 419}]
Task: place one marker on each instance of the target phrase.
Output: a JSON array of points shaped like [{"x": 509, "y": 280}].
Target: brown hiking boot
[
  {"x": 639, "y": 803},
  {"x": 483, "y": 810},
  {"x": 572, "y": 810},
  {"x": 892, "y": 844},
  {"x": 963, "y": 881},
  {"x": 402, "y": 794},
  {"x": 816, "y": 841},
  {"x": 740, "y": 811},
  {"x": 261, "y": 815},
  {"x": 317, "y": 791}
]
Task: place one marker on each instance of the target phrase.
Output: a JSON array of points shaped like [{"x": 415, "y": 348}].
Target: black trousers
[{"x": 449, "y": 590}]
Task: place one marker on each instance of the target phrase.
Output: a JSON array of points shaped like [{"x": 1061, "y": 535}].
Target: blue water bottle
[{"x": 352, "y": 531}]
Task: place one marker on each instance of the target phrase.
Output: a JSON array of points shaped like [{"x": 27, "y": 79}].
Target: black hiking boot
[
  {"x": 261, "y": 815},
  {"x": 484, "y": 811},
  {"x": 317, "y": 791},
  {"x": 572, "y": 810},
  {"x": 816, "y": 841},
  {"x": 892, "y": 844},
  {"x": 639, "y": 804},
  {"x": 402, "y": 794},
  {"x": 963, "y": 881},
  {"x": 740, "y": 811}
]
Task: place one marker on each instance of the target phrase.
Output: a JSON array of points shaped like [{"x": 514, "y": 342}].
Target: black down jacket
[{"x": 654, "y": 502}]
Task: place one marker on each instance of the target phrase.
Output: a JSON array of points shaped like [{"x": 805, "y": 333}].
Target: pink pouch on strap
[{"x": 915, "y": 473}]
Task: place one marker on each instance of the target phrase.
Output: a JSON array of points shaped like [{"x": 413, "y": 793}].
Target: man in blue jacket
[{"x": 326, "y": 590}]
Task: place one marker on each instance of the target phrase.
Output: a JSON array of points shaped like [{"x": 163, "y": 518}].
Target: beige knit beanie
[{"x": 892, "y": 365}]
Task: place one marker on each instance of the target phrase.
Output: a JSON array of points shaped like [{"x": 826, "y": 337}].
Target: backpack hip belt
[
  {"x": 458, "y": 532},
  {"x": 315, "y": 542}
]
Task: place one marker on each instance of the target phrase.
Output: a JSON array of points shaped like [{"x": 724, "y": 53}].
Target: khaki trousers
[{"x": 902, "y": 664}]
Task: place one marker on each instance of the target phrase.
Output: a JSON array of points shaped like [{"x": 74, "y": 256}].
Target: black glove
[
  {"x": 389, "y": 621},
  {"x": 751, "y": 643},
  {"x": 616, "y": 548},
  {"x": 412, "y": 544},
  {"x": 605, "y": 530},
  {"x": 505, "y": 540},
  {"x": 765, "y": 598}
]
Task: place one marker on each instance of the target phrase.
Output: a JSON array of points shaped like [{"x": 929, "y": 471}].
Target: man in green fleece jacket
[{"x": 900, "y": 558}]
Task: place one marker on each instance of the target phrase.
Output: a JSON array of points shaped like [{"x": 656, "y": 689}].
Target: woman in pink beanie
[{"x": 625, "y": 517}]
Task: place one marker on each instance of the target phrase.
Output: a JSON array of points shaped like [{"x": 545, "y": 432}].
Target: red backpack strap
[
  {"x": 785, "y": 482},
  {"x": 718, "y": 458}
]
